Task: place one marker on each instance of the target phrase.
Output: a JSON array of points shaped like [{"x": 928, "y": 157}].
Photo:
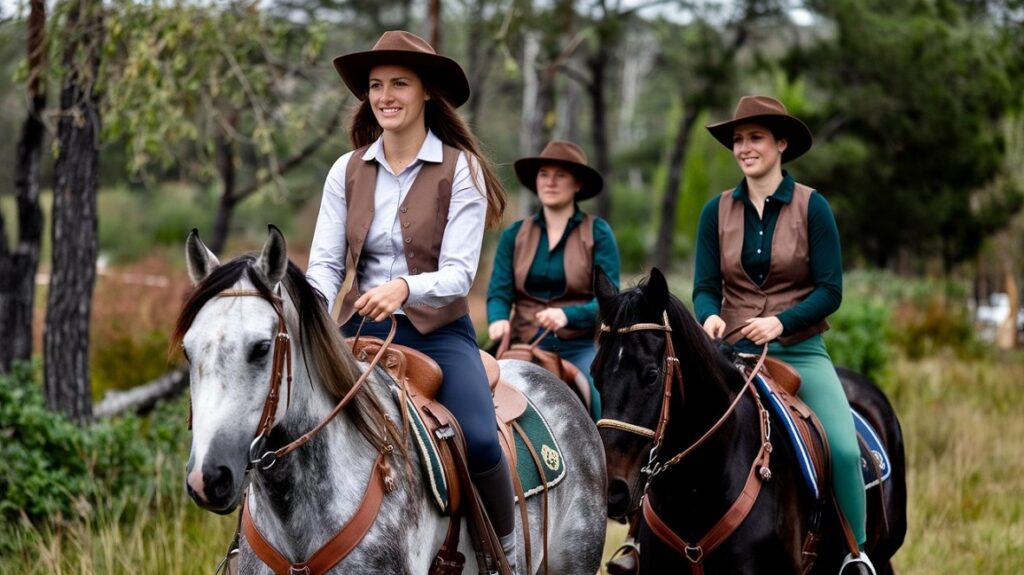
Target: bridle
[
  {"x": 759, "y": 470},
  {"x": 382, "y": 478}
]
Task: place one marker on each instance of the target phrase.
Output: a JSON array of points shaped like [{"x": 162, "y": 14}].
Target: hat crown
[
  {"x": 564, "y": 151},
  {"x": 400, "y": 40},
  {"x": 749, "y": 106}
]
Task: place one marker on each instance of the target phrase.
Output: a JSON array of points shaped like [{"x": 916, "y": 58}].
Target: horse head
[
  {"x": 229, "y": 343},
  {"x": 629, "y": 372}
]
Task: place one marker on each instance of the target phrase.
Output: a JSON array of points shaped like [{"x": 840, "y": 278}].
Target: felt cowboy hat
[
  {"x": 567, "y": 155},
  {"x": 443, "y": 74},
  {"x": 772, "y": 114}
]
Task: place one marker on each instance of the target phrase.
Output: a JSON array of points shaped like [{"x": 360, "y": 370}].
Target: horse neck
[{"x": 297, "y": 502}]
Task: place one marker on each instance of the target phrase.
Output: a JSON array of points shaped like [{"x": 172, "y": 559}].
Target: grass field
[{"x": 963, "y": 427}]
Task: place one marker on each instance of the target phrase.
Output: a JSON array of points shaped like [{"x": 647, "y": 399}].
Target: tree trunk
[
  {"x": 434, "y": 24},
  {"x": 1006, "y": 334},
  {"x": 228, "y": 201},
  {"x": 74, "y": 233},
  {"x": 602, "y": 162},
  {"x": 18, "y": 266},
  {"x": 663, "y": 245}
]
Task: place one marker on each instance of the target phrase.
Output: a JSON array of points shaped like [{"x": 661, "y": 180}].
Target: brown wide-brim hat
[
  {"x": 772, "y": 114},
  {"x": 567, "y": 155},
  {"x": 443, "y": 75}
]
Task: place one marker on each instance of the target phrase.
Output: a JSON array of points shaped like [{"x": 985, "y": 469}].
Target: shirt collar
[
  {"x": 432, "y": 150},
  {"x": 784, "y": 193},
  {"x": 577, "y": 216}
]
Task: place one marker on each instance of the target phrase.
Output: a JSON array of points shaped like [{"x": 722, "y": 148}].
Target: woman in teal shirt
[
  {"x": 769, "y": 270},
  {"x": 544, "y": 267}
]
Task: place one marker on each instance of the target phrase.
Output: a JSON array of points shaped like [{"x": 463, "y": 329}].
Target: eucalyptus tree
[
  {"x": 18, "y": 263},
  {"x": 74, "y": 227},
  {"x": 229, "y": 92}
]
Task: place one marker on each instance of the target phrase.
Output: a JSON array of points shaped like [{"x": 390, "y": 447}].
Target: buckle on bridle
[
  {"x": 694, "y": 554},
  {"x": 304, "y": 570}
]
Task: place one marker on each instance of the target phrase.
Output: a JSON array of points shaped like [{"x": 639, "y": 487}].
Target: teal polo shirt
[
  {"x": 546, "y": 277},
  {"x": 823, "y": 243}
]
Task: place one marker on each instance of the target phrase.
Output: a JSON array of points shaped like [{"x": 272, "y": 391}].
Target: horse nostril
[
  {"x": 618, "y": 498},
  {"x": 219, "y": 483}
]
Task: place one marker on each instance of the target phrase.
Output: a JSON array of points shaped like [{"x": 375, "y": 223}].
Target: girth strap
[{"x": 335, "y": 549}]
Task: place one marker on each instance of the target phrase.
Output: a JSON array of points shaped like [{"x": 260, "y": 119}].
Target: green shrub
[
  {"x": 53, "y": 468},
  {"x": 127, "y": 359},
  {"x": 859, "y": 335}
]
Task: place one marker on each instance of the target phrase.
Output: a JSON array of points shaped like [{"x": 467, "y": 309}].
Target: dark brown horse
[{"x": 692, "y": 495}]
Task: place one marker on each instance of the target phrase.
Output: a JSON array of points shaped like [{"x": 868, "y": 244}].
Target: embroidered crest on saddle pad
[
  {"x": 538, "y": 434},
  {"x": 870, "y": 444}
]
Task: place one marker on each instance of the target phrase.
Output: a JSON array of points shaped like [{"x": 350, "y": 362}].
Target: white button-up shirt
[{"x": 383, "y": 255}]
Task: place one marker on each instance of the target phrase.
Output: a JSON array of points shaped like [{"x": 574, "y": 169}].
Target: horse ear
[
  {"x": 603, "y": 287},
  {"x": 201, "y": 260},
  {"x": 656, "y": 290},
  {"x": 273, "y": 262}
]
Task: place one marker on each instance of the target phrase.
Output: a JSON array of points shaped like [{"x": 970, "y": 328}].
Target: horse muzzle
[{"x": 214, "y": 488}]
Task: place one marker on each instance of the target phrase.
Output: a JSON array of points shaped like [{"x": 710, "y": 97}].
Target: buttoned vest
[
  {"x": 789, "y": 278},
  {"x": 423, "y": 216},
  {"x": 579, "y": 277}
]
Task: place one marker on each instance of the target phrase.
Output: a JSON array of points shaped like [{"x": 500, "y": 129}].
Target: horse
[
  {"x": 245, "y": 320},
  {"x": 692, "y": 490}
]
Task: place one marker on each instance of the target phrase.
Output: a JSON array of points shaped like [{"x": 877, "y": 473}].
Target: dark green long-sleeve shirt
[
  {"x": 823, "y": 243},
  {"x": 546, "y": 278}
]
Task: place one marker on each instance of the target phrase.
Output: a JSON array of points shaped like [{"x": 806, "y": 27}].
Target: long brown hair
[{"x": 446, "y": 123}]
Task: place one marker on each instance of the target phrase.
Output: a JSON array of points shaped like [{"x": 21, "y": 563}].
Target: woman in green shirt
[
  {"x": 769, "y": 270},
  {"x": 545, "y": 264}
]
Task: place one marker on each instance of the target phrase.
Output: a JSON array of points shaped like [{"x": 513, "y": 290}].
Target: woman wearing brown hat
[
  {"x": 409, "y": 205},
  {"x": 545, "y": 264},
  {"x": 769, "y": 270}
]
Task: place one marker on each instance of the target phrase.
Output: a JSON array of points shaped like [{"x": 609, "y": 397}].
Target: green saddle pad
[{"x": 537, "y": 433}]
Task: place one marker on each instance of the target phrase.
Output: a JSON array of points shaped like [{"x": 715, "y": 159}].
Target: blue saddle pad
[{"x": 870, "y": 446}]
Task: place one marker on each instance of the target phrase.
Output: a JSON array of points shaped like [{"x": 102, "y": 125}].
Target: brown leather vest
[
  {"x": 423, "y": 215},
  {"x": 789, "y": 275},
  {"x": 579, "y": 277}
]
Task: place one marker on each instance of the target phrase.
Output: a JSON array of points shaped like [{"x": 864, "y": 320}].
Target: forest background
[{"x": 131, "y": 123}]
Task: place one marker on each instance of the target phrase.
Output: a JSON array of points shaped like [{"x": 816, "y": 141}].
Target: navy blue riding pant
[{"x": 464, "y": 390}]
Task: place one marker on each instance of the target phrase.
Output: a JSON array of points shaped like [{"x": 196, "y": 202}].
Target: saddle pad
[
  {"x": 537, "y": 433},
  {"x": 871, "y": 446},
  {"x": 864, "y": 430},
  {"x": 782, "y": 416}
]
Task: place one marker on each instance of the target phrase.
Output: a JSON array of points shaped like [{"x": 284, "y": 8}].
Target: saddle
[
  {"x": 779, "y": 383},
  {"x": 549, "y": 360},
  {"x": 420, "y": 377}
]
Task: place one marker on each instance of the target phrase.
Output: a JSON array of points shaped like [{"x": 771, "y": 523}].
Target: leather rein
[
  {"x": 381, "y": 482},
  {"x": 759, "y": 469}
]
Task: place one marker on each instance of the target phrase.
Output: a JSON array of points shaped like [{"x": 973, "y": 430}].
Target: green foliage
[
  {"x": 54, "y": 469},
  {"x": 127, "y": 360},
  {"x": 859, "y": 338},
  {"x": 629, "y": 222}
]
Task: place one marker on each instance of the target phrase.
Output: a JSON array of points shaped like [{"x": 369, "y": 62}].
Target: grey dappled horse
[{"x": 304, "y": 498}]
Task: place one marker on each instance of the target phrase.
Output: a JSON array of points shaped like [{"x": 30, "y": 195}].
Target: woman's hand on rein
[
  {"x": 383, "y": 300},
  {"x": 762, "y": 330},
  {"x": 714, "y": 326},
  {"x": 552, "y": 318},
  {"x": 498, "y": 329}
]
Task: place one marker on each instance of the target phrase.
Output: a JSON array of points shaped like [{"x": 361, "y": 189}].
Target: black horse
[{"x": 692, "y": 495}]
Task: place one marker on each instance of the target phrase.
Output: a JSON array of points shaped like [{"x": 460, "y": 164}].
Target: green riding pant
[{"x": 820, "y": 389}]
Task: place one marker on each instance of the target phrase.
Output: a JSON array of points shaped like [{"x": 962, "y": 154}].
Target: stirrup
[{"x": 861, "y": 559}]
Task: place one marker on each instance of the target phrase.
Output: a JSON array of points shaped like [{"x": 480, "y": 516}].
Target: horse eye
[
  {"x": 653, "y": 374},
  {"x": 259, "y": 350}
]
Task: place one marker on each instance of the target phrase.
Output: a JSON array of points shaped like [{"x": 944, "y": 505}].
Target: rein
[
  {"x": 759, "y": 470},
  {"x": 381, "y": 482}
]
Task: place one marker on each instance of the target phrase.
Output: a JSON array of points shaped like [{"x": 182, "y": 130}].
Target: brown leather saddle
[
  {"x": 420, "y": 376},
  {"x": 549, "y": 360}
]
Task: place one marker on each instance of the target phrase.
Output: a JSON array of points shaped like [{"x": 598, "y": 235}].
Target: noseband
[{"x": 759, "y": 471}]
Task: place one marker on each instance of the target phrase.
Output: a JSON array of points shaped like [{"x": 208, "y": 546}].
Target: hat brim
[
  {"x": 442, "y": 74},
  {"x": 592, "y": 182},
  {"x": 797, "y": 135}
]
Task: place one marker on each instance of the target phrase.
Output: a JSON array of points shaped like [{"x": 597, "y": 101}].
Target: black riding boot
[{"x": 498, "y": 496}]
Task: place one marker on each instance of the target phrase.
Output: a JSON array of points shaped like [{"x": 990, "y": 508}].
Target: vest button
[
  {"x": 411, "y": 255},
  {"x": 405, "y": 224},
  {"x": 408, "y": 240},
  {"x": 404, "y": 209},
  {"x": 415, "y": 270}
]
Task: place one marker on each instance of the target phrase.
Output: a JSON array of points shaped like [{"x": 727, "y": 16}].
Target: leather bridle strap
[
  {"x": 732, "y": 519},
  {"x": 336, "y": 548}
]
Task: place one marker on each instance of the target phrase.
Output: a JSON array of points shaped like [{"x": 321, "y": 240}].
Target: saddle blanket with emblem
[
  {"x": 871, "y": 446},
  {"x": 538, "y": 434}
]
